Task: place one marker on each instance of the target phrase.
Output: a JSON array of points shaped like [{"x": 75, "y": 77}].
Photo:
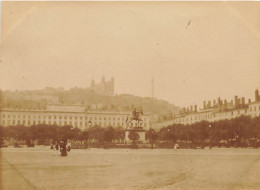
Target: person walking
[
  {"x": 63, "y": 149},
  {"x": 56, "y": 148},
  {"x": 68, "y": 147},
  {"x": 52, "y": 148}
]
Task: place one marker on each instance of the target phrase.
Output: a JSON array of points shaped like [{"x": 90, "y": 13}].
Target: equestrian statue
[{"x": 136, "y": 116}]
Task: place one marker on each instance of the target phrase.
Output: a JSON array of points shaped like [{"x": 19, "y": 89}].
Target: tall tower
[{"x": 152, "y": 88}]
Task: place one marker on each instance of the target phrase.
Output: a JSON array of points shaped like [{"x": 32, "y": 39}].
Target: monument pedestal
[{"x": 139, "y": 130}]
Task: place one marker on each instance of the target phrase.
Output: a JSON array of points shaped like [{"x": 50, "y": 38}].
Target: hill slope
[{"x": 123, "y": 102}]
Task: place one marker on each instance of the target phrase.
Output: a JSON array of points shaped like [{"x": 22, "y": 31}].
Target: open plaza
[{"x": 161, "y": 169}]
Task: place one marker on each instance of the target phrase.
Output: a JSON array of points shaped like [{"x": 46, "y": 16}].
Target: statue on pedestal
[
  {"x": 135, "y": 121},
  {"x": 136, "y": 116}
]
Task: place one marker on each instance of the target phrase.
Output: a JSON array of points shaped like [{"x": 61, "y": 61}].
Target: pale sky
[{"x": 66, "y": 44}]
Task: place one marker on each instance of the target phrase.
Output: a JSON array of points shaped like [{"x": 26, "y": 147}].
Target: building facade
[
  {"x": 105, "y": 88},
  {"x": 74, "y": 115},
  {"x": 215, "y": 111}
]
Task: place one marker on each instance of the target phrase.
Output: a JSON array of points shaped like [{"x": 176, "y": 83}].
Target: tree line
[
  {"x": 243, "y": 131},
  {"x": 44, "y": 134}
]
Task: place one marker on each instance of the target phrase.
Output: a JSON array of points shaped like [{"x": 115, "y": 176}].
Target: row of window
[
  {"x": 75, "y": 124},
  {"x": 39, "y": 116},
  {"x": 180, "y": 120},
  {"x": 64, "y": 117},
  {"x": 251, "y": 108}
]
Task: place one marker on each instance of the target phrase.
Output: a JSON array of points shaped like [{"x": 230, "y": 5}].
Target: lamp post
[
  {"x": 152, "y": 138},
  {"x": 169, "y": 134},
  {"x": 236, "y": 139},
  {"x": 210, "y": 145},
  {"x": 89, "y": 126}
]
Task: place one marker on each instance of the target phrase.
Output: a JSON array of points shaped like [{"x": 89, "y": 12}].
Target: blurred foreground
[{"x": 37, "y": 168}]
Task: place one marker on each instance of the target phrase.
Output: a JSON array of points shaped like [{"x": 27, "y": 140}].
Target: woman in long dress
[{"x": 63, "y": 149}]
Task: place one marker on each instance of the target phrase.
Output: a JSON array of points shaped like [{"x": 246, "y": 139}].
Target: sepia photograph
[{"x": 129, "y": 95}]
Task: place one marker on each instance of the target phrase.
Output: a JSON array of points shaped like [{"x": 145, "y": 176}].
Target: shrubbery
[{"x": 243, "y": 131}]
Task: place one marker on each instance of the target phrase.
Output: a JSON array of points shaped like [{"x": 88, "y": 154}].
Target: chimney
[
  {"x": 191, "y": 108},
  {"x": 225, "y": 102},
  {"x": 236, "y": 101},
  {"x": 256, "y": 95},
  {"x": 214, "y": 103},
  {"x": 218, "y": 101},
  {"x": 204, "y": 104},
  {"x": 209, "y": 104},
  {"x": 243, "y": 101},
  {"x": 195, "y": 107}
]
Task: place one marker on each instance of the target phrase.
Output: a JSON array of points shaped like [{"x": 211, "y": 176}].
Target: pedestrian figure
[
  {"x": 55, "y": 148},
  {"x": 63, "y": 149},
  {"x": 68, "y": 147},
  {"x": 52, "y": 148},
  {"x": 176, "y": 146}
]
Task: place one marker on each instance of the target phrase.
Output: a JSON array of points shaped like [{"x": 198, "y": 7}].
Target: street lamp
[
  {"x": 89, "y": 125},
  {"x": 169, "y": 134},
  {"x": 210, "y": 146},
  {"x": 152, "y": 138}
]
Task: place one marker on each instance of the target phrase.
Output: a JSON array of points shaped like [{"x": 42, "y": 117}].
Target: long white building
[
  {"x": 74, "y": 115},
  {"x": 220, "y": 110}
]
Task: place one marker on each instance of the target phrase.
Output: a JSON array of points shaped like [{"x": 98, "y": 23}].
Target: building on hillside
[
  {"x": 42, "y": 97},
  {"x": 106, "y": 88},
  {"x": 74, "y": 115},
  {"x": 215, "y": 111},
  {"x": 47, "y": 94}
]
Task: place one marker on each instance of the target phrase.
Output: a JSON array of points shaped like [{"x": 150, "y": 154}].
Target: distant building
[
  {"x": 219, "y": 110},
  {"x": 47, "y": 94},
  {"x": 42, "y": 97},
  {"x": 57, "y": 114},
  {"x": 104, "y": 87}
]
